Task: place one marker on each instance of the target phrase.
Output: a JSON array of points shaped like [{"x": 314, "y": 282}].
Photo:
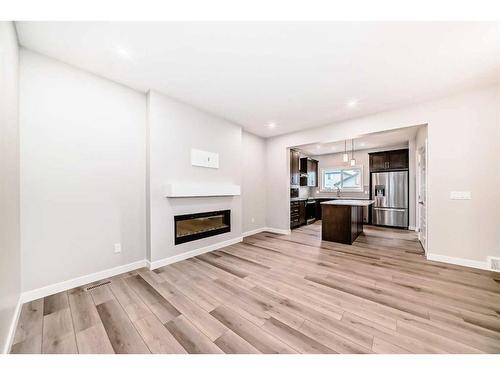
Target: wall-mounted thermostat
[{"x": 200, "y": 158}]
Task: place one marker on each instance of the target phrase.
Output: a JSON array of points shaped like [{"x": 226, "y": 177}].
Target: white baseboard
[
  {"x": 411, "y": 227},
  {"x": 254, "y": 231},
  {"x": 79, "y": 281},
  {"x": 82, "y": 280},
  {"x": 13, "y": 326},
  {"x": 489, "y": 261},
  {"x": 189, "y": 254},
  {"x": 277, "y": 230},
  {"x": 459, "y": 261},
  {"x": 267, "y": 229}
]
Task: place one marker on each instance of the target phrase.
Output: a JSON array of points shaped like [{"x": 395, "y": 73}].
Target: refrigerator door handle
[{"x": 390, "y": 209}]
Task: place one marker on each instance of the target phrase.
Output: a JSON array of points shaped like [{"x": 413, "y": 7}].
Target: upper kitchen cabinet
[
  {"x": 378, "y": 161},
  {"x": 294, "y": 167},
  {"x": 389, "y": 160},
  {"x": 308, "y": 172},
  {"x": 398, "y": 159}
]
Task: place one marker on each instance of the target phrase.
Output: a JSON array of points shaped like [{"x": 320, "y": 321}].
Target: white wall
[
  {"x": 83, "y": 165},
  {"x": 463, "y": 141},
  {"x": 174, "y": 129},
  {"x": 253, "y": 182},
  {"x": 95, "y": 157},
  {"x": 10, "y": 267}
]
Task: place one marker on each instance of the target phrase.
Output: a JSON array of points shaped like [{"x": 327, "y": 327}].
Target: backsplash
[{"x": 304, "y": 192}]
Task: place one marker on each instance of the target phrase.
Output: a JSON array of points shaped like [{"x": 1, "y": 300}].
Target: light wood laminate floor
[{"x": 278, "y": 294}]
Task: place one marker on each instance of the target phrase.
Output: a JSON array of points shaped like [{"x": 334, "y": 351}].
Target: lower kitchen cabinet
[
  {"x": 297, "y": 213},
  {"x": 318, "y": 209},
  {"x": 302, "y": 212}
]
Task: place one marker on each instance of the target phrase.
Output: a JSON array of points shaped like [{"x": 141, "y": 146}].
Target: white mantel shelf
[{"x": 201, "y": 190}]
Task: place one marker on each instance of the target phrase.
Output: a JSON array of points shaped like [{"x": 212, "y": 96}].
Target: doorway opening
[{"x": 388, "y": 169}]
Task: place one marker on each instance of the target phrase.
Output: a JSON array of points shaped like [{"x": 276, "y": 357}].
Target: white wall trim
[
  {"x": 459, "y": 261},
  {"x": 267, "y": 229},
  {"x": 79, "y": 281},
  {"x": 254, "y": 231},
  {"x": 411, "y": 227},
  {"x": 201, "y": 190},
  {"x": 278, "y": 231},
  {"x": 12, "y": 328},
  {"x": 489, "y": 263},
  {"x": 189, "y": 254}
]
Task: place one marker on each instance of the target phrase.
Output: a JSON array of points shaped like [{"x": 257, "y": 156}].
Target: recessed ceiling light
[
  {"x": 271, "y": 125},
  {"x": 353, "y": 103},
  {"x": 318, "y": 146}
]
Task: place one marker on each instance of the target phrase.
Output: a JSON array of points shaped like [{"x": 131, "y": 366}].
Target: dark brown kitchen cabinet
[
  {"x": 302, "y": 212},
  {"x": 294, "y": 167},
  {"x": 398, "y": 159},
  {"x": 378, "y": 161},
  {"x": 389, "y": 160},
  {"x": 318, "y": 208},
  {"x": 297, "y": 213},
  {"x": 341, "y": 223},
  {"x": 294, "y": 214},
  {"x": 308, "y": 172}
]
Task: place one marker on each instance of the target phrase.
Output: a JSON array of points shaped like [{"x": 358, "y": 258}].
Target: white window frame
[{"x": 340, "y": 169}]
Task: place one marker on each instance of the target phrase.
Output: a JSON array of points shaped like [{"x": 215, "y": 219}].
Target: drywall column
[{"x": 10, "y": 264}]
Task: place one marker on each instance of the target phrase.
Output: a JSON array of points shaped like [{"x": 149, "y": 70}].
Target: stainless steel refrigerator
[{"x": 390, "y": 193}]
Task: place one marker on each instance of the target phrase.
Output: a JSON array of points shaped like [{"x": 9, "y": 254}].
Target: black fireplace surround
[{"x": 193, "y": 227}]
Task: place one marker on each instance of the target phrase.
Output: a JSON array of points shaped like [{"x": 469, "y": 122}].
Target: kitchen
[{"x": 366, "y": 180}]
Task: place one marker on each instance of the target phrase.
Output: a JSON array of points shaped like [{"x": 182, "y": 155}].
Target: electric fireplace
[{"x": 193, "y": 227}]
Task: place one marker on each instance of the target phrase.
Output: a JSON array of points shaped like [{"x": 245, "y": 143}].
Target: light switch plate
[
  {"x": 460, "y": 195},
  {"x": 200, "y": 158}
]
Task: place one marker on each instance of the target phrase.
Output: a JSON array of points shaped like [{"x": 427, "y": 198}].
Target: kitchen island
[{"x": 342, "y": 219}]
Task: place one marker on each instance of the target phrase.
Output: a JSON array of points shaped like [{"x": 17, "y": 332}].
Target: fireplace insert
[{"x": 193, "y": 227}]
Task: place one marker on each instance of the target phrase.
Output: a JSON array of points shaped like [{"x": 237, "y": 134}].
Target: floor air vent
[
  {"x": 494, "y": 263},
  {"x": 97, "y": 285}
]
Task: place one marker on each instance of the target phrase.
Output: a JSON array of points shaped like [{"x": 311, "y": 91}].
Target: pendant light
[
  {"x": 345, "y": 156},
  {"x": 353, "y": 161}
]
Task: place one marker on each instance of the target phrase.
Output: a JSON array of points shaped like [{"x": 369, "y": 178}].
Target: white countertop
[{"x": 349, "y": 202}]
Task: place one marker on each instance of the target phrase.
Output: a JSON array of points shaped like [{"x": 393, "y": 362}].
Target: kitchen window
[{"x": 345, "y": 179}]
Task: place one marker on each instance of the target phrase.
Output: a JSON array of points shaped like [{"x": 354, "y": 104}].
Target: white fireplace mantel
[{"x": 201, "y": 190}]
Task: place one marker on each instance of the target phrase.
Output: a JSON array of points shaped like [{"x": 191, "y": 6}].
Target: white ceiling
[
  {"x": 294, "y": 74},
  {"x": 388, "y": 138}
]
